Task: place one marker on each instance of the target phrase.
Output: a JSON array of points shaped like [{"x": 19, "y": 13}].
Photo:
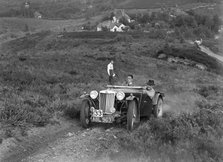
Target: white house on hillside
[
  {"x": 111, "y": 26},
  {"x": 117, "y": 28}
]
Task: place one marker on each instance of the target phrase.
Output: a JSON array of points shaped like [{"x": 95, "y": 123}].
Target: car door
[{"x": 146, "y": 106}]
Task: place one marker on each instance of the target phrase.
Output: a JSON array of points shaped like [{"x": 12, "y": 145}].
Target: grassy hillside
[
  {"x": 56, "y": 9},
  {"x": 12, "y": 27},
  {"x": 44, "y": 74},
  {"x": 67, "y": 9},
  {"x": 13, "y": 6},
  {"x": 161, "y": 3}
]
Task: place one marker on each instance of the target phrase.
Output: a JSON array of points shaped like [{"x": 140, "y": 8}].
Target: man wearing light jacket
[{"x": 111, "y": 74}]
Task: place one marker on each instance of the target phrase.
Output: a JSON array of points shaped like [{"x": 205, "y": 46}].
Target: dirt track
[
  {"x": 25, "y": 147},
  {"x": 71, "y": 143},
  {"x": 210, "y": 53}
]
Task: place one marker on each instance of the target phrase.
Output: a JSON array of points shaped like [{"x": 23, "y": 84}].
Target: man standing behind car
[{"x": 111, "y": 74}]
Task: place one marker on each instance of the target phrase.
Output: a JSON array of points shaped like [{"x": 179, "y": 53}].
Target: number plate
[
  {"x": 97, "y": 113},
  {"x": 103, "y": 119}
]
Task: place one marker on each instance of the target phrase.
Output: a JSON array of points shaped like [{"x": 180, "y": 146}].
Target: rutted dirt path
[
  {"x": 210, "y": 53},
  {"x": 26, "y": 146},
  {"x": 67, "y": 142},
  {"x": 92, "y": 144}
]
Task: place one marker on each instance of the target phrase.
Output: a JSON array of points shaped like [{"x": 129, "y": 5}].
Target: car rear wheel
[
  {"x": 158, "y": 108},
  {"x": 131, "y": 115},
  {"x": 85, "y": 114}
]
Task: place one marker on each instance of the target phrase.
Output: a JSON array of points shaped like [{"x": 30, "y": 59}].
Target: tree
[
  {"x": 104, "y": 28},
  {"x": 145, "y": 18},
  {"x": 124, "y": 21}
]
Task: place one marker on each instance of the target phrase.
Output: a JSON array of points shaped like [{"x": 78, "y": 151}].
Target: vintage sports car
[{"x": 120, "y": 103}]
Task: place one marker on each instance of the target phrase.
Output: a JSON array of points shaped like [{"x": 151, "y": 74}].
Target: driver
[
  {"x": 129, "y": 81},
  {"x": 149, "y": 88}
]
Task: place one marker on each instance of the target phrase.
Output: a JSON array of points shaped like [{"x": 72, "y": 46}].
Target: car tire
[
  {"x": 85, "y": 114},
  {"x": 158, "y": 108},
  {"x": 131, "y": 115}
]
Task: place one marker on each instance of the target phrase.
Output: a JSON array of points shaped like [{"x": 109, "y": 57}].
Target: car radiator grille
[{"x": 106, "y": 102}]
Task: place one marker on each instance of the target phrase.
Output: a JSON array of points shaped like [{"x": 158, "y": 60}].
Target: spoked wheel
[
  {"x": 158, "y": 109},
  {"x": 131, "y": 115},
  {"x": 85, "y": 114}
]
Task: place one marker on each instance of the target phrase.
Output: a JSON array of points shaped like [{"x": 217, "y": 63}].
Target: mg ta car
[{"x": 120, "y": 103}]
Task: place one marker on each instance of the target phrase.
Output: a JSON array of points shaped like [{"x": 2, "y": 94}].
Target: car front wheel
[
  {"x": 158, "y": 108},
  {"x": 131, "y": 115},
  {"x": 85, "y": 114}
]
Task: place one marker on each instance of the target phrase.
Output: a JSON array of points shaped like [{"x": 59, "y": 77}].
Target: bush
[
  {"x": 20, "y": 113},
  {"x": 206, "y": 91},
  {"x": 203, "y": 32},
  {"x": 198, "y": 56},
  {"x": 157, "y": 34},
  {"x": 197, "y": 135}
]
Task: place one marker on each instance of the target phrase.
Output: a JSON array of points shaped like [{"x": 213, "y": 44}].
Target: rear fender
[{"x": 156, "y": 97}]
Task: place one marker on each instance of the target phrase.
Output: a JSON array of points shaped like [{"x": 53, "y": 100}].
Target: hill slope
[
  {"x": 161, "y": 3},
  {"x": 45, "y": 73}
]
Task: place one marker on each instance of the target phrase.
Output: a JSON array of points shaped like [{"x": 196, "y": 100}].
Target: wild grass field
[
  {"x": 142, "y": 4},
  {"x": 45, "y": 71},
  {"x": 52, "y": 69},
  {"x": 44, "y": 74},
  {"x": 49, "y": 8},
  {"x": 55, "y": 9},
  {"x": 13, "y": 27},
  {"x": 70, "y": 9}
]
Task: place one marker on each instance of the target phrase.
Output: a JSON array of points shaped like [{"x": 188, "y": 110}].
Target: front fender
[
  {"x": 156, "y": 97},
  {"x": 88, "y": 98}
]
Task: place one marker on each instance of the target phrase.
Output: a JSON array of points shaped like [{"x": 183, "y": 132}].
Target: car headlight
[
  {"x": 93, "y": 94},
  {"x": 120, "y": 95}
]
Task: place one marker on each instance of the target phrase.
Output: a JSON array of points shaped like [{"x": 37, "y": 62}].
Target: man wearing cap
[
  {"x": 149, "y": 88},
  {"x": 111, "y": 74}
]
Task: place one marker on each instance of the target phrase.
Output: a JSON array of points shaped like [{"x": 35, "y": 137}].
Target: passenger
[{"x": 149, "y": 88}]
